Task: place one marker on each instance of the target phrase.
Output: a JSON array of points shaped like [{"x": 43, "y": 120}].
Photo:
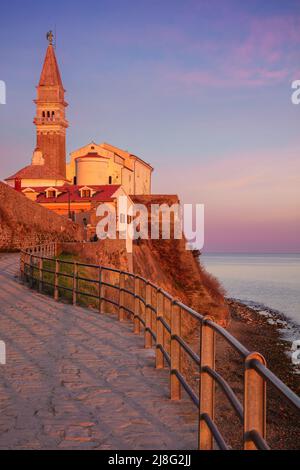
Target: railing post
[
  {"x": 40, "y": 274},
  {"x": 121, "y": 296},
  {"x": 100, "y": 289},
  {"x": 56, "y": 279},
  {"x": 153, "y": 312},
  {"x": 26, "y": 267},
  {"x": 175, "y": 351},
  {"x": 75, "y": 273},
  {"x": 136, "y": 321},
  {"x": 148, "y": 337},
  {"x": 22, "y": 266},
  {"x": 206, "y": 384},
  {"x": 31, "y": 271},
  {"x": 254, "y": 401},
  {"x": 160, "y": 363}
]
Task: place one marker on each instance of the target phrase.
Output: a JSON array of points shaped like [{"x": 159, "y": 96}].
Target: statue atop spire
[{"x": 50, "y": 37}]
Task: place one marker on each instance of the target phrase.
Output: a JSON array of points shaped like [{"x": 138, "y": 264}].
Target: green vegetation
[
  {"x": 87, "y": 283},
  {"x": 89, "y": 289}
]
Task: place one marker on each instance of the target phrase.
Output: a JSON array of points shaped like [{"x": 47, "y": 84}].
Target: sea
[{"x": 269, "y": 283}]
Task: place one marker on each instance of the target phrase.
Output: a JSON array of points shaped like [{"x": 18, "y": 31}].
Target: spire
[
  {"x": 50, "y": 118},
  {"x": 50, "y": 74}
]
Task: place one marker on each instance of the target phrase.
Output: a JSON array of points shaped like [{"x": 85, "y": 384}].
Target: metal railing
[{"x": 160, "y": 317}]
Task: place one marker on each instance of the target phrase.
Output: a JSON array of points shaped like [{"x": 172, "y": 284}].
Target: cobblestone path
[{"x": 75, "y": 379}]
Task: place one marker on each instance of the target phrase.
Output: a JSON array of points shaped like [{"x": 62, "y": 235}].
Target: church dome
[{"x": 92, "y": 169}]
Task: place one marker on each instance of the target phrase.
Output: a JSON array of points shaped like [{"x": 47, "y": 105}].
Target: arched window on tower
[
  {"x": 48, "y": 114},
  {"x": 53, "y": 114},
  {"x": 110, "y": 180}
]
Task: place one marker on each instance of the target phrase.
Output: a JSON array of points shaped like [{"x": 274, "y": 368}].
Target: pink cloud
[
  {"x": 259, "y": 52},
  {"x": 228, "y": 77},
  {"x": 267, "y": 53},
  {"x": 252, "y": 200}
]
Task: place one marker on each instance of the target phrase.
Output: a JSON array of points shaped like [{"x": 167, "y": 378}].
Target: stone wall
[
  {"x": 110, "y": 253},
  {"x": 24, "y": 222}
]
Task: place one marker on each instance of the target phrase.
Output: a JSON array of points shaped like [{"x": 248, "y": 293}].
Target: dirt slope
[{"x": 179, "y": 271}]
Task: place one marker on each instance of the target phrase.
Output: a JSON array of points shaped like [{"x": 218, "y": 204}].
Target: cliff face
[
  {"x": 179, "y": 271},
  {"x": 24, "y": 222},
  {"x": 168, "y": 264}
]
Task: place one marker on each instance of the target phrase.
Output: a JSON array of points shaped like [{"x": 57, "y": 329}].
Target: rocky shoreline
[
  {"x": 271, "y": 334},
  {"x": 267, "y": 332}
]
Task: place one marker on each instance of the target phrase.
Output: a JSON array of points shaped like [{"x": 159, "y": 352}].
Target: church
[{"x": 95, "y": 173}]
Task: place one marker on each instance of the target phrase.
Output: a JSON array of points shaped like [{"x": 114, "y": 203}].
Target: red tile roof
[
  {"x": 103, "y": 193},
  {"x": 36, "y": 172}
]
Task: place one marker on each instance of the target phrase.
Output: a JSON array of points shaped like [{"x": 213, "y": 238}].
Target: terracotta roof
[
  {"x": 50, "y": 74},
  {"x": 102, "y": 193},
  {"x": 36, "y": 172},
  {"x": 123, "y": 153}
]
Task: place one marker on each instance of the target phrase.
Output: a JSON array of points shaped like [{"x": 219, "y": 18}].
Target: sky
[{"x": 200, "y": 89}]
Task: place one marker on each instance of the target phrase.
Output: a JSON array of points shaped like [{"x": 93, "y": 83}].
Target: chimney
[{"x": 18, "y": 185}]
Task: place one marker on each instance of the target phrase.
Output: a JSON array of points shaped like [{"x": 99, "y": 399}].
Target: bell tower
[{"x": 50, "y": 120}]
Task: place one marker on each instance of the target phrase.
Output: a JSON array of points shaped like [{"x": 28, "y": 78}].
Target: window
[
  {"x": 51, "y": 193},
  {"x": 44, "y": 114},
  {"x": 48, "y": 114},
  {"x": 110, "y": 180},
  {"x": 85, "y": 193}
]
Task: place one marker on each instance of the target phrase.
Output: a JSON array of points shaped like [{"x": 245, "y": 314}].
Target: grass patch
[{"x": 88, "y": 287}]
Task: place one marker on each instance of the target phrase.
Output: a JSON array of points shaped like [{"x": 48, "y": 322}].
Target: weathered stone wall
[
  {"x": 24, "y": 222},
  {"x": 110, "y": 253}
]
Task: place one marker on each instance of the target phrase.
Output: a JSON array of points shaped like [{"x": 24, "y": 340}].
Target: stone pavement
[{"x": 75, "y": 379}]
